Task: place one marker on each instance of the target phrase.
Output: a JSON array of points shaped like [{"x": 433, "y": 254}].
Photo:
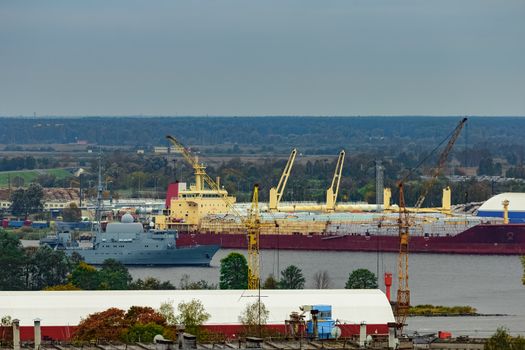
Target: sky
[{"x": 272, "y": 57}]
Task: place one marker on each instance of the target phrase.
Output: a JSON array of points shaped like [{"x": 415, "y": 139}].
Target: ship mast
[{"x": 100, "y": 203}]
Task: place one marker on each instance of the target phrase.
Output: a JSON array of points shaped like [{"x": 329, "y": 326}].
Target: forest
[{"x": 487, "y": 157}]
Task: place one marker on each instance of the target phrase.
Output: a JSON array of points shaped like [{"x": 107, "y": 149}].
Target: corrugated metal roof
[{"x": 351, "y": 306}]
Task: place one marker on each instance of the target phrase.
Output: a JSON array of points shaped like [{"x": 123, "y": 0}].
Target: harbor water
[{"x": 491, "y": 284}]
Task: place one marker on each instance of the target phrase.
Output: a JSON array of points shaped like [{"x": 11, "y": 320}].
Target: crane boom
[
  {"x": 277, "y": 193},
  {"x": 252, "y": 222},
  {"x": 253, "y": 226},
  {"x": 441, "y": 162},
  {"x": 333, "y": 190},
  {"x": 403, "y": 291}
]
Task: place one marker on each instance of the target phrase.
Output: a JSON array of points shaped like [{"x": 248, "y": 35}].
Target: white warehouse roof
[
  {"x": 494, "y": 204},
  {"x": 67, "y": 308}
]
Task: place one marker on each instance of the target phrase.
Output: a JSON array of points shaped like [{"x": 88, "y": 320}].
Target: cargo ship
[{"x": 203, "y": 217}]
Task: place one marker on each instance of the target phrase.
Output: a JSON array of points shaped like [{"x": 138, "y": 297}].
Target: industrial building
[{"x": 61, "y": 311}]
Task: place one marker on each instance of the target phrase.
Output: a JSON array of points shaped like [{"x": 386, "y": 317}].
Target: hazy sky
[{"x": 175, "y": 57}]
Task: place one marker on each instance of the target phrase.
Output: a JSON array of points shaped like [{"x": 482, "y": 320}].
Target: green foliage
[
  {"x": 234, "y": 272},
  {"x": 151, "y": 283},
  {"x": 270, "y": 283},
  {"x": 85, "y": 276},
  {"x": 113, "y": 275},
  {"x": 27, "y": 201},
  {"x": 254, "y": 316},
  {"x": 438, "y": 310},
  {"x": 168, "y": 312},
  {"x": 142, "y": 332},
  {"x": 291, "y": 278},
  {"x": 12, "y": 261},
  {"x": 361, "y": 279},
  {"x": 192, "y": 315},
  {"x": 502, "y": 340},
  {"x": 46, "y": 267}
]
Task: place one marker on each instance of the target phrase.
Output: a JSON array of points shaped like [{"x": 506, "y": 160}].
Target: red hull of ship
[{"x": 481, "y": 239}]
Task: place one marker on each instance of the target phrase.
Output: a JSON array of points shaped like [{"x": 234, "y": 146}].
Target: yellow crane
[
  {"x": 276, "y": 193},
  {"x": 251, "y": 222},
  {"x": 403, "y": 291},
  {"x": 333, "y": 190}
]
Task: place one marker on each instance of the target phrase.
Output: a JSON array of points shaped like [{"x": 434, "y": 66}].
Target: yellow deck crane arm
[
  {"x": 276, "y": 193},
  {"x": 333, "y": 190},
  {"x": 251, "y": 222}
]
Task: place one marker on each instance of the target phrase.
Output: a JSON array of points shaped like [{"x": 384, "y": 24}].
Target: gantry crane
[
  {"x": 333, "y": 190},
  {"x": 277, "y": 193},
  {"x": 251, "y": 222},
  {"x": 403, "y": 291}
]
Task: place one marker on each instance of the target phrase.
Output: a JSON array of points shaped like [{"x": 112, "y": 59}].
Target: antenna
[{"x": 100, "y": 203}]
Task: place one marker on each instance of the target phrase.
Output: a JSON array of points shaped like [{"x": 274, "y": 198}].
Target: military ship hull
[
  {"x": 130, "y": 244},
  {"x": 503, "y": 239},
  {"x": 199, "y": 255}
]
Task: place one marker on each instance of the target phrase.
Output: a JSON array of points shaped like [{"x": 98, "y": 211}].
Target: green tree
[
  {"x": 113, "y": 275},
  {"x": 142, "y": 332},
  {"x": 291, "y": 278},
  {"x": 254, "y": 317},
  {"x": 72, "y": 213},
  {"x": 27, "y": 201},
  {"x": 502, "y": 340},
  {"x": 85, "y": 276},
  {"x": 168, "y": 312},
  {"x": 361, "y": 279},
  {"x": 46, "y": 267},
  {"x": 12, "y": 260},
  {"x": 270, "y": 283},
  {"x": 234, "y": 272},
  {"x": 192, "y": 315}
]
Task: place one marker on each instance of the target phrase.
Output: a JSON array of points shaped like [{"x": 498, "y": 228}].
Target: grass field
[{"x": 30, "y": 175}]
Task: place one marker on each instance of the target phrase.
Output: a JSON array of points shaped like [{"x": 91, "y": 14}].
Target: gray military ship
[{"x": 128, "y": 243}]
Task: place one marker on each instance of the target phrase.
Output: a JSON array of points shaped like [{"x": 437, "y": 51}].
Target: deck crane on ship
[
  {"x": 251, "y": 222},
  {"x": 331, "y": 193},
  {"x": 276, "y": 193},
  {"x": 333, "y": 190},
  {"x": 403, "y": 291}
]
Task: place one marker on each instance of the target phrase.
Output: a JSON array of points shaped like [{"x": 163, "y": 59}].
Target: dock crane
[
  {"x": 333, "y": 190},
  {"x": 276, "y": 193},
  {"x": 251, "y": 222},
  {"x": 403, "y": 291}
]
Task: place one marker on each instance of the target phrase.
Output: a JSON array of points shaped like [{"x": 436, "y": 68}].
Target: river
[{"x": 491, "y": 284}]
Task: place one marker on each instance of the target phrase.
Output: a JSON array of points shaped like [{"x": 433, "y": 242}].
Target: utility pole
[{"x": 379, "y": 185}]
